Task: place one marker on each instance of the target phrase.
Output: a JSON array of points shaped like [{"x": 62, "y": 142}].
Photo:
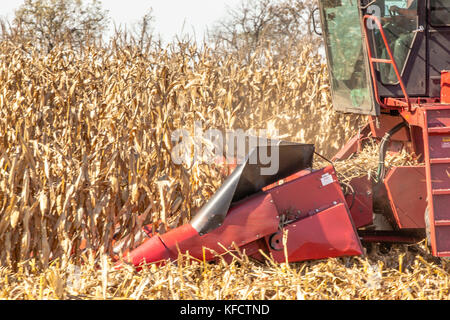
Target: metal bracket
[{"x": 420, "y": 29}]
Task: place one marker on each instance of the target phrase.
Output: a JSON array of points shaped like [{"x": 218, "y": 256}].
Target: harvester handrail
[{"x": 391, "y": 60}]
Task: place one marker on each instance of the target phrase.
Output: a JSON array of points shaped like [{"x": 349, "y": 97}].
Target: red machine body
[
  {"x": 445, "y": 86},
  {"x": 310, "y": 208},
  {"x": 408, "y": 207}
]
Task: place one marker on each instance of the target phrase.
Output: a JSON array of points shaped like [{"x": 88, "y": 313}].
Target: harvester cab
[
  {"x": 387, "y": 60},
  {"x": 362, "y": 41},
  {"x": 390, "y": 60}
]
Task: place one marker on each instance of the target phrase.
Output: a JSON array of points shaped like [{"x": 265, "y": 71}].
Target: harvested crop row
[
  {"x": 365, "y": 162},
  {"x": 401, "y": 273}
]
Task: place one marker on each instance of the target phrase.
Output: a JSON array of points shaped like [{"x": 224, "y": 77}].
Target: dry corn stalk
[{"x": 85, "y": 147}]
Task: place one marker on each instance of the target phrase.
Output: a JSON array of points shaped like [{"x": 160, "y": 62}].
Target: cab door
[
  {"x": 346, "y": 57},
  {"x": 346, "y": 50}
]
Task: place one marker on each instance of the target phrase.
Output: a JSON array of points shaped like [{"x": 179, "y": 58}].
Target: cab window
[
  {"x": 399, "y": 20},
  {"x": 344, "y": 47},
  {"x": 440, "y": 12}
]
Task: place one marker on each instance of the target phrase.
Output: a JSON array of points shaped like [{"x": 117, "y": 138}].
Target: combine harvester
[{"x": 388, "y": 60}]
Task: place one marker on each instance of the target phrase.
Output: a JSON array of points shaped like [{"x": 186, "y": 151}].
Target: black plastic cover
[{"x": 249, "y": 178}]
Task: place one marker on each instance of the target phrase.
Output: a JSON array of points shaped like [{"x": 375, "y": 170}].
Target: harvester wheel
[{"x": 275, "y": 241}]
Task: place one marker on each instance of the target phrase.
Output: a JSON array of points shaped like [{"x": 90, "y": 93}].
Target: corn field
[{"x": 85, "y": 158}]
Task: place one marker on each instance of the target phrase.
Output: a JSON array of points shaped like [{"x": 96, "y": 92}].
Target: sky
[{"x": 170, "y": 15}]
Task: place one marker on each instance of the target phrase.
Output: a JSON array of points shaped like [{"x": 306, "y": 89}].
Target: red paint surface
[
  {"x": 408, "y": 207},
  {"x": 246, "y": 222},
  {"x": 324, "y": 227},
  {"x": 445, "y": 86},
  {"x": 321, "y": 225},
  {"x": 437, "y": 159},
  {"x": 361, "y": 203},
  {"x": 386, "y": 123},
  {"x": 329, "y": 233}
]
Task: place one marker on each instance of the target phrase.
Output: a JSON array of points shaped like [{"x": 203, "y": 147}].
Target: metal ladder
[{"x": 436, "y": 136}]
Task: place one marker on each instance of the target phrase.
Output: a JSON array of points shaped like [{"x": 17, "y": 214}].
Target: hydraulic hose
[{"x": 381, "y": 172}]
